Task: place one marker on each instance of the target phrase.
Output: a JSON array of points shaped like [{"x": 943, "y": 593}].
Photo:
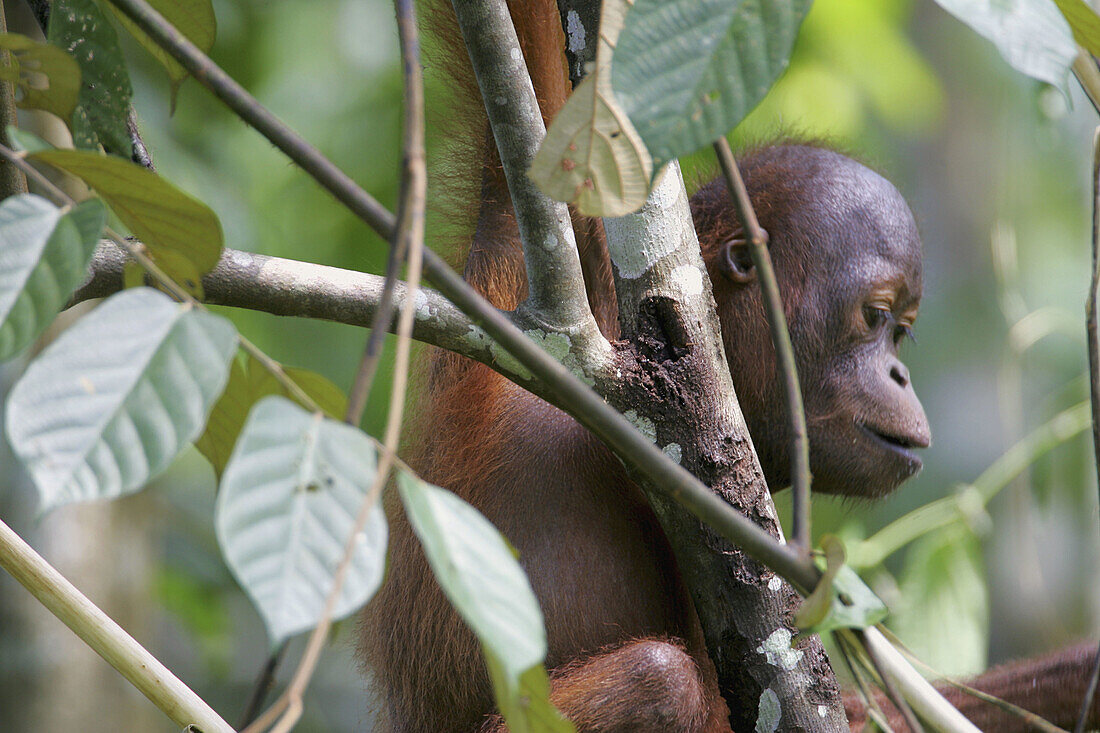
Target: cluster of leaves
[
  {"x": 671, "y": 77},
  {"x": 117, "y": 397}
]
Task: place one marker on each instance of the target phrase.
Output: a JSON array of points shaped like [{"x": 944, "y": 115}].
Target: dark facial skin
[{"x": 847, "y": 256}]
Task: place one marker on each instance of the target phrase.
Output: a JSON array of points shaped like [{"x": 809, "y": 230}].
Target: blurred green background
[{"x": 995, "y": 167}]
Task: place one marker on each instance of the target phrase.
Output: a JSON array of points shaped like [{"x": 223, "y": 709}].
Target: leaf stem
[{"x": 781, "y": 340}]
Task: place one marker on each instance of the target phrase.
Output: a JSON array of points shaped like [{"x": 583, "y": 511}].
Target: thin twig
[
  {"x": 211, "y": 76},
  {"x": 889, "y": 686},
  {"x": 1094, "y": 380},
  {"x": 263, "y": 685},
  {"x": 1088, "y": 76},
  {"x": 410, "y": 239},
  {"x": 870, "y": 705},
  {"x": 1035, "y": 721},
  {"x": 781, "y": 339},
  {"x": 563, "y": 388},
  {"x": 554, "y": 278},
  {"x": 105, "y": 637},
  {"x": 379, "y": 327}
]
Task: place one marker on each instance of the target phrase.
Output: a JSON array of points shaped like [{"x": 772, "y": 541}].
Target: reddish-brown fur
[{"x": 625, "y": 649}]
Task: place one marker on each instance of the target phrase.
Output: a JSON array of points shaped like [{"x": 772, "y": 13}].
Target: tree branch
[
  {"x": 668, "y": 315},
  {"x": 556, "y": 285},
  {"x": 781, "y": 341},
  {"x": 541, "y": 373},
  {"x": 105, "y": 637}
]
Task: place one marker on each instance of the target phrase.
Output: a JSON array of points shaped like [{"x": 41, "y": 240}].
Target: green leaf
[
  {"x": 79, "y": 27},
  {"x": 193, "y": 18},
  {"x": 841, "y": 600},
  {"x": 115, "y": 398},
  {"x": 286, "y": 509},
  {"x": 180, "y": 232},
  {"x": 525, "y": 701},
  {"x": 1084, "y": 23},
  {"x": 945, "y": 615},
  {"x": 478, "y": 572},
  {"x": 592, "y": 156},
  {"x": 817, "y": 604},
  {"x": 249, "y": 382},
  {"x": 46, "y": 77},
  {"x": 44, "y": 253},
  {"x": 1031, "y": 35},
  {"x": 28, "y": 142},
  {"x": 687, "y": 71}
]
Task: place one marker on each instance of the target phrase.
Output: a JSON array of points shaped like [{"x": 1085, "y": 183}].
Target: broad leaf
[
  {"x": 46, "y": 77},
  {"x": 180, "y": 232},
  {"x": 1031, "y": 35},
  {"x": 687, "y": 71},
  {"x": 193, "y": 18},
  {"x": 44, "y": 253},
  {"x": 1084, "y": 23},
  {"x": 592, "y": 156},
  {"x": 248, "y": 383},
  {"x": 81, "y": 28},
  {"x": 115, "y": 398},
  {"x": 477, "y": 570},
  {"x": 944, "y": 580},
  {"x": 286, "y": 509}
]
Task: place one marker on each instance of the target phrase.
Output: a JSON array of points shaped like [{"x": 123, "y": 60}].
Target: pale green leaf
[
  {"x": 81, "y": 28},
  {"x": 944, "y": 617},
  {"x": 193, "y": 18},
  {"x": 44, "y": 253},
  {"x": 286, "y": 509},
  {"x": 180, "y": 232},
  {"x": 841, "y": 600},
  {"x": 116, "y": 397},
  {"x": 1031, "y": 35},
  {"x": 45, "y": 77},
  {"x": 592, "y": 156},
  {"x": 249, "y": 382},
  {"x": 477, "y": 570},
  {"x": 687, "y": 71}
]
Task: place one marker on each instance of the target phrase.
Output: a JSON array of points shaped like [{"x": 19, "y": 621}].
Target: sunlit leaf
[
  {"x": 1031, "y": 35},
  {"x": 81, "y": 28},
  {"x": 46, "y": 77},
  {"x": 944, "y": 618},
  {"x": 115, "y": 398},
  {"x": 1084, "y": 23},
  {"x": 248, "y": 383},
  {"x": 180, "y": 232},
  {"x": 592, "y": 156},
  {"x": 286, "y": 508},
  {"x": 193, "y": 18},
  {"x": 687, "y": 71},
  {"x": 44, "y": 253}
]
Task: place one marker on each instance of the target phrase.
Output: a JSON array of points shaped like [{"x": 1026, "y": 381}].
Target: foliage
[{"x": 118, "y": 397}]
